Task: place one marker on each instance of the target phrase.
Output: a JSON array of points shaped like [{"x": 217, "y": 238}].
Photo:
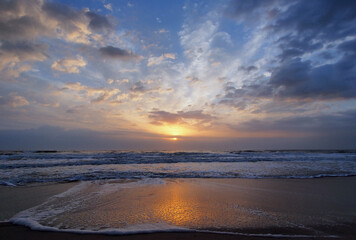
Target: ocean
[
  {"x": 123, "y": 192},
  {"x": 23, "y": 167}
]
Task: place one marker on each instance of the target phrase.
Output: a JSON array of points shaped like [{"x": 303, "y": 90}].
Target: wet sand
[
  {"x": 313, "y": 208},
  {"x": 16, "y": 199}
]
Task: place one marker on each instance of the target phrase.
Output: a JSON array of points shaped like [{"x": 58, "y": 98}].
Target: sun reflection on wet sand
[
  {"x": 214, "y": 204},
  {"x": 177, "y": 206}
]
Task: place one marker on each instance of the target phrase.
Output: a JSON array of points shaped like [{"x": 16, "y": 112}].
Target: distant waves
[{"x": 21, "y": 167}]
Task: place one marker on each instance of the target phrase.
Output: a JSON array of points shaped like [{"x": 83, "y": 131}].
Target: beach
[{"x": 182, "y": 208}]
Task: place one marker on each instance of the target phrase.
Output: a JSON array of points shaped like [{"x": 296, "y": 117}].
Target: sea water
[{"x": 18, "y": 168}]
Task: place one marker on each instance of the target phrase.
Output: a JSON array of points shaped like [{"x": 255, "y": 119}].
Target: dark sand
[
  {"x": 315, "y": 207},
  {"x": 16, "y": 199}
]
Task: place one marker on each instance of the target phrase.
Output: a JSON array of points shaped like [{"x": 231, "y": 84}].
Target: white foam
[
  {"x": 77, "y": 196},
  {"x": 6, "y": 183},
  {"x": 139, "y": 183},
  {"x": 73, "y": 190},
  {"x": 51, "y": 207},
  {"x": 132, "y": 229},
  {"x": 153, "y": 228}
]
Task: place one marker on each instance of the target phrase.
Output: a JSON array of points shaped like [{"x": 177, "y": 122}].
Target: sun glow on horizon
[{"x": 174, "y": 130}]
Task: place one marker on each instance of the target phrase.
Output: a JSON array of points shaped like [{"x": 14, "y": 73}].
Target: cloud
[
  {"x": 52, "y": 137},
  {"x": 69, "y": 65},
  {"x": 138, "y": 87},
  {"x": 299, "y": 80},
  {"x": 159, "y": 60},
  {"x": 98, "y": 22},
  {"x": 27, "y": 20},
  {"x": 162, "y": 30},
  {"x": 24, "y": 24},
  {"x": 20, "y": 20},
  {"x": 161, "y": 117},
  {"x": 295, "y": 70},
  {"x": 117, "y": 53},
  {"x": 58, "y": 138},
  {"x": 330, "y": 81},
  {"x": 15, "y": 56},
  {"x": 244, "y": 9},
  {"x": 248, "y": 69},
  {"x": 13, "y": 100},
  {"x": 324, "y": 125},
  {"x": 331, "y": 19},
  {"x": 94, "y": 95},
  {"x": 77, "y": 24},
  {"x": 108, "y": 6}
]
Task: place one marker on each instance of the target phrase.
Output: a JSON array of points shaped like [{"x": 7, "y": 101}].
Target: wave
[
  {"x": 46, "y": 159},
  {"x": 20, "y": 168},
  {"x": 119, "y": 176}
]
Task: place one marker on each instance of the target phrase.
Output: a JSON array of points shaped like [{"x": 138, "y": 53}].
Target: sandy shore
[
  {"x": 16, "y": 199},
  {"x": 253, "y": 208},
  {"x": 9, "y": 231}
]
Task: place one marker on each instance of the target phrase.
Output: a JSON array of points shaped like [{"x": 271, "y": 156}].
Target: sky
[{"x": 177, "y": 75}]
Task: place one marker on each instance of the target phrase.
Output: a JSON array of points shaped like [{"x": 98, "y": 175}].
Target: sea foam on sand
[{"x": 213, "y": 205}]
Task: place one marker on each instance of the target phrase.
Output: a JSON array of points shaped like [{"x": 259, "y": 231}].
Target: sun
[{"x": 173, "y": 139}]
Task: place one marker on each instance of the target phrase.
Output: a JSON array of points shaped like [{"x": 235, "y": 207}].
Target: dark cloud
[
  {"x": 327, "y": 125},
  {"x": 57, "y": 138},
  {"x": 15, "y": 25},
  {"x": 13, "y": 100},
  {"x": 24, "y": 23},
  {"x": 299, "y": 80},
  {"x": 24, "y": 20},
  {"x": 160, "y": 117},
  {"x": 138, "y": 87},
  {"x": 66, "y": 15},
  {"x": 116, "y": 53},
  {"x": 60, "y": 12},
  {"x": 320, "y": 20},
  {"x": 248, "y": 69},
  {"x": 301, "y": 28},
  {"x": 21, "y": 28},
  {"x": 22, "y": 49},
  {"x": 98, "y": 22},
  {"x": 249, "y": 10},
  {"x": 15, "y": 57},
  {"x": 311, "y": 25}
]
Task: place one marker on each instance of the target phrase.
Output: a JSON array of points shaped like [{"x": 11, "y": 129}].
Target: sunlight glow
[{"x": 173, "y": 130}]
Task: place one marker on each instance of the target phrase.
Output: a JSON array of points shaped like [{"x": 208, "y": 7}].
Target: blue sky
[{"x": 177, "y": 75}]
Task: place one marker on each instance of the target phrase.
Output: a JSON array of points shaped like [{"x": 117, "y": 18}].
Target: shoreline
[
  {"x": 272, "y": 208},
  {"x": 12, "y": 231}
]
